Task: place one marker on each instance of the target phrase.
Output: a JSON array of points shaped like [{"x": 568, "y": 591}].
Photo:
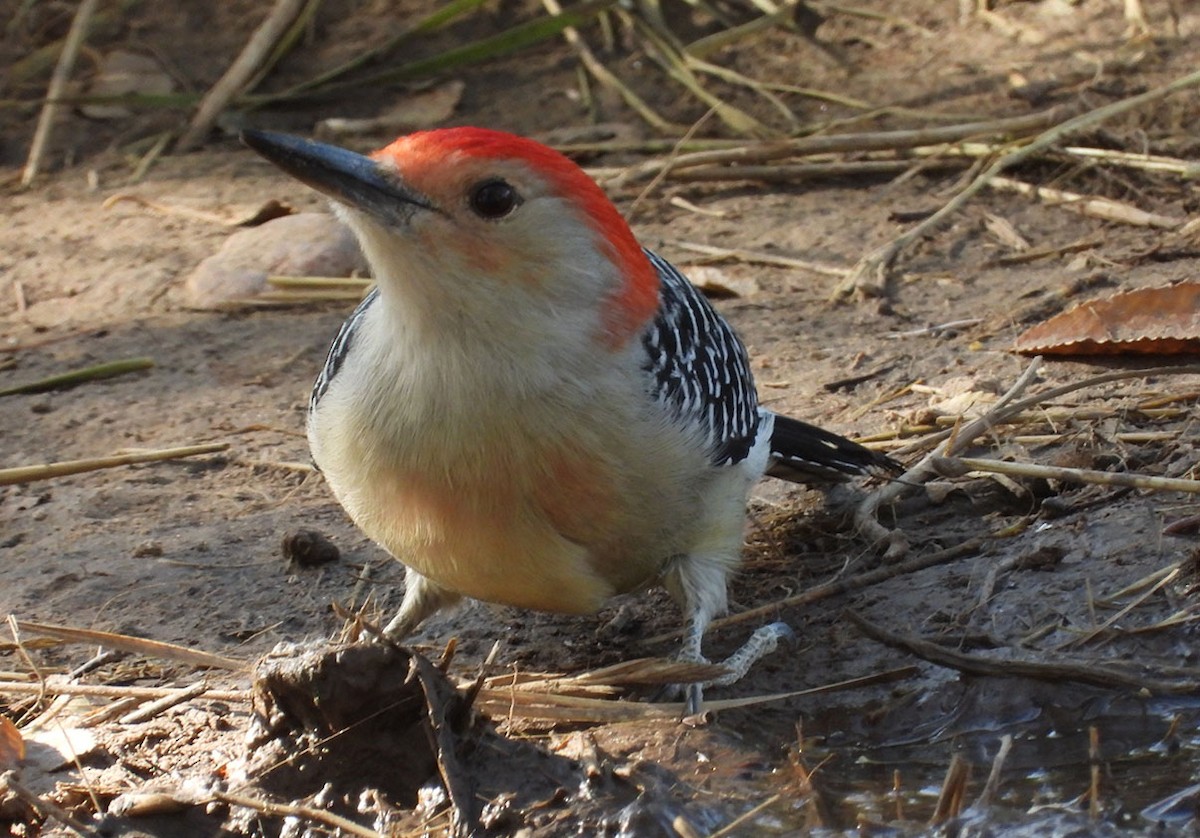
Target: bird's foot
[{"x": 763, "y": 642}]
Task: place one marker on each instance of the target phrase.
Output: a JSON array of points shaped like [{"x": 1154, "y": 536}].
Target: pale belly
[{"x": 553, "y": 529}]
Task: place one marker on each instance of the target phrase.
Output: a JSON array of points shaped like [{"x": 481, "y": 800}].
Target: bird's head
[{"x": 470, "y": 211}]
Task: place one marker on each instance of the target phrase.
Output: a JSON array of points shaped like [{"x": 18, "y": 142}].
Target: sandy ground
[{"x": 188, "y": 552}]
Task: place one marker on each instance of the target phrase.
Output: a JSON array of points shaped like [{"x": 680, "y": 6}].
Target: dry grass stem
[
  {"x": 722, "y": 38},
  {"x": 1105, "y": 209},
  {"x": 151, "y": 157},
  {"x": 46, "y": 471},
  {"x": 988, "y": 796},
  {"x": 1053, "y": 393},
  {"x": 1002, "y": 412},
  {"x": 161, "y": 705},
  {"x": 955, "y": 439},
  {"x": 1038, "y": 253},
  {"x": 58, "y": 83},
  {"x": 788, "y": 173},
  {"x": 1094, "y": 772},
  {"x": 606, "y": 78},
  {"x": 954, "y": 791},
  {"x": 958, "y": 466},
  {"x": 137, "y": 645},
  {"x": 341, "y": 283},
  {"x": 869, "y": 276},
  {"x": 841, "y": 586},
  {"x": 252, "y": 57},
  {"x": 514, "y": 702},
  {"x": 1150, "y": 580},
  {"x": 772, "y": 150},
  {"x": 657, "y": 179},
  {"x": 53, "y": 686},
  {"x": 97, "y": 372},
  {"x": 1187, "y": 169},
  {"x": 746, "y": 816},
  {"x": 272, "y": 299},
  {"x": 904, "y": 23},
  {"x": 1111, "y": 621},
  {"x": 755, "y": 257},
  {"x": 676, "y": 65}
]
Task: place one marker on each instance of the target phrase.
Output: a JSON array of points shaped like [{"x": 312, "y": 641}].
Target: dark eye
[{"x": 494, "y": 199}]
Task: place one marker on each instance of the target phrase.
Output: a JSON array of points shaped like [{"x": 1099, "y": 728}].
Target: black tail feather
[{"x": 804, "y": 453}]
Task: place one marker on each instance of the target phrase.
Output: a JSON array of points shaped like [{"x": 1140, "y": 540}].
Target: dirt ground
[{"x": 188, "y": 551}]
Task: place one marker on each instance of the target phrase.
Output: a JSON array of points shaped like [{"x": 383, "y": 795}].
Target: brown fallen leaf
[
  {"x": 12, "y": 746},
  {"x": 1158, "y": 321}
]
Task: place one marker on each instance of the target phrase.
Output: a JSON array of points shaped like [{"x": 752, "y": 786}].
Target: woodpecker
[{"x": 531, "y": 408}]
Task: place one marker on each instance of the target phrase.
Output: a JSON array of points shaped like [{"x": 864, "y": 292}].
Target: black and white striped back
[{"x": 699, "y": 367}]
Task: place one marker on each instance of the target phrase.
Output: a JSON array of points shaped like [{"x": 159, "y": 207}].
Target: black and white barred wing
[{"x": 699, "y": 367}]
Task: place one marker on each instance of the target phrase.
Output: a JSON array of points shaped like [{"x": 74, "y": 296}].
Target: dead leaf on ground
[
  {"x": 423, "y": 109},
  {"x": 12, "y": 746},
  {"x": 56, "y": 748},
  {"x": 1160, "y": 321},
  {"x": 718, "y": 282}
]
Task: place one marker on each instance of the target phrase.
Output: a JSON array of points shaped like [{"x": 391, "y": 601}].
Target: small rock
[
  {"x": 148, "y": 549},
  {"x": 305, "y": 244},
  {"x": 309, "y": 548}
]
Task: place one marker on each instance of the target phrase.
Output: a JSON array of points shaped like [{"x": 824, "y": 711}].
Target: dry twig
[
  {"x": 161, "y": 705},
  {"x": 959, "y": 466},
  {"x": 53, "y": 686},
  {"x": 137, "y": 645},
  {"x": 956, "y": 439},
  {"x": 869, "y": 276},
  {"x": 841, "y": 586},
  {"x": 767, "y": 151},
  {"x": 252, "y": 57},
  {"x": 1095, "y": 674},
  {"x": 62, "y": 74},
  {"x": 303, "y": 813},
  {"x": 1105, "y": 209},
  {"x": 46, "y": 471}
]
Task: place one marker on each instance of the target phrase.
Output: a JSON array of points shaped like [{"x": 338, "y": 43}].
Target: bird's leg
[
  {"x": 422, "y": 599},
  {"x": 697, "y": 582}
]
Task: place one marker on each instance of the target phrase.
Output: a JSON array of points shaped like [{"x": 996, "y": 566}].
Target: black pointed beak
[{"x": 345, "y": 176}]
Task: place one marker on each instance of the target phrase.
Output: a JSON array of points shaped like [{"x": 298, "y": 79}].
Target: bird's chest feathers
[{"x": 506, "y": 491}]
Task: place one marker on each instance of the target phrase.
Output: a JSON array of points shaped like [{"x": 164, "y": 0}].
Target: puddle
[{"x": 880, "y": 770}]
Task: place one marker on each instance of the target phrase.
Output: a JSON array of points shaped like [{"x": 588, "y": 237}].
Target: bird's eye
[{"x": 494, "y": 199}]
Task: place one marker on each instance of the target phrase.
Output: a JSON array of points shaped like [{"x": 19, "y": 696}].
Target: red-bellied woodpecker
[{"x": 532, "y": 409}]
